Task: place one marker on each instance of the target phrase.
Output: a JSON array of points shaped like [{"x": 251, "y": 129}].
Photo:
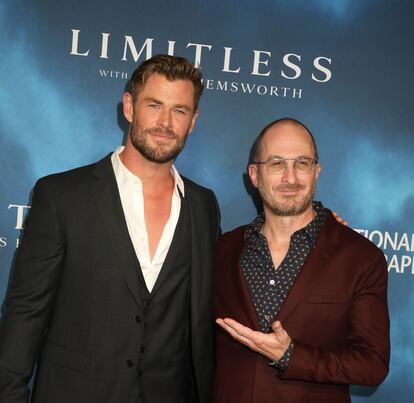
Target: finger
[
  {"x": 339, "y": 218},
  {"x": 233, "y": 333},
  {"x": 240, "y": 329}
]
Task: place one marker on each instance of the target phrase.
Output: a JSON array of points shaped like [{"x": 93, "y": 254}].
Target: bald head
[{"x": 284, "y": 131}]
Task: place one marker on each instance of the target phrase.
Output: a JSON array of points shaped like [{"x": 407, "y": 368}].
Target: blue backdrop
[{"x": 342, "y": 67}]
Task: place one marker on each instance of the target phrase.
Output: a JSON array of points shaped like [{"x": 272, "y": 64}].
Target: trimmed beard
[
  {"x": 284, "y": 209},
  {"x": 159, "y": 154}
]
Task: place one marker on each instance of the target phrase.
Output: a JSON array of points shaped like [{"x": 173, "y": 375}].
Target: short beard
[
  {"x": 289, "y": 210},
  {"x": 160, "y": 154}
]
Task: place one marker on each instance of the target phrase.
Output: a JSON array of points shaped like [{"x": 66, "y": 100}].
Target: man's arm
[
  {"x": 363, "y": 360},
  {"x": 29, "y": 301}
]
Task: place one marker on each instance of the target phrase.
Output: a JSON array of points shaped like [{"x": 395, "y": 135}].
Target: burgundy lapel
[
  {"x": 246, "y": 304},
  {"x": 315, "y": 265}
]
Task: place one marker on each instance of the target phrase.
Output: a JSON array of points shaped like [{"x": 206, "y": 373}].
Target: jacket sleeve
[
  {"x": 33, "y": 283},
  {"x": 364, "y": 359}
]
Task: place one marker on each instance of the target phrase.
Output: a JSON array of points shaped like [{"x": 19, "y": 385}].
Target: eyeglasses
[{"x": 277, "y": 166}]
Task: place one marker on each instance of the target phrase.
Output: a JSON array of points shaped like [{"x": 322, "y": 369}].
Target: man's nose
[
  {"x": 165, "y": 118},
  {"x": 289, "y": 175}
]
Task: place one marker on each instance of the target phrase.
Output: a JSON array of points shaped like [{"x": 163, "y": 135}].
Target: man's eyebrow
[
  {"x": 151, "y": 99},
  {"x": 282, "y": 158},
  {"x": 157, "y": 101}
]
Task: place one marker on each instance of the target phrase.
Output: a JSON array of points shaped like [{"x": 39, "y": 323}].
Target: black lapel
[
  {"x": 172, "y": 251},
  {"x": 201, "y": 253},
  {"x": 108, "y": 202}
]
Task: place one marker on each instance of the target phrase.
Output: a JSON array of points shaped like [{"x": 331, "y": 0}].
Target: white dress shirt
[{"x": 132, "y": 199}]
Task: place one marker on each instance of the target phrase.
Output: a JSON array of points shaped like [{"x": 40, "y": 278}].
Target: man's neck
[
  {"x": 280, "y": 228},
  {"x": 154, "y": 176}
]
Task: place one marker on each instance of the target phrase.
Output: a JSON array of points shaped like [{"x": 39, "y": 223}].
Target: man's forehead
[
  {"x": 287, "y": 133},
  {"x": 287, "y": 138},
  {"x": 160, "y": 87}
]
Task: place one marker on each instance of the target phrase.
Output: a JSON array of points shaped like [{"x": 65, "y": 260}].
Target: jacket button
[
  {"x": 138, "y": 319},
  {"x": 142, "y": 349},
  {"x": 130, "y": 363},
  {"x": 139, "y": 373}
]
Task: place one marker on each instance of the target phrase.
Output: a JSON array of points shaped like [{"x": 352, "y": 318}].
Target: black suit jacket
[{"x": 74, "y": 302}]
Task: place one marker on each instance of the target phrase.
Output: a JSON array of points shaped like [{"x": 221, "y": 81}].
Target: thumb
[{"x": 277, "y": 326}]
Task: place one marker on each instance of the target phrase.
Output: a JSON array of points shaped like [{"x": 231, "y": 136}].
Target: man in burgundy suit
[{"x": 300, "y": 300}]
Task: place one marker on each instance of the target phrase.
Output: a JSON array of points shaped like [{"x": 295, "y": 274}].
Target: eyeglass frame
[{"x": 314, "y": 162}]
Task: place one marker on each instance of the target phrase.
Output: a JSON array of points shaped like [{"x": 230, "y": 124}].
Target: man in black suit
[{"x": 111, "y": 289}]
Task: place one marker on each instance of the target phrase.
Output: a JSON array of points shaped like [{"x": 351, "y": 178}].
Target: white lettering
[
  {"x": 234, "y": 87},
  {"x": 199, "y": 47},
  {"x": 292, "y": 66},
  {"x": 389, "y": 240},
  {"x": 75, "y": 42},
  {"x": 285, "y": 90},
  {"x": 129, "y": 44},
  {"x": 393, "y": 265},
  {"x": 257, "y": 62},
  {"x": 171, "y": 48},
  {"x": 247, "y": 87},
  {"x": 104, "y": 47},
  {"x": 297, "y": 92},
  {"x": 222, "y": 85},
  {"x": 262, "y": 89},
  {"x": 227, "y": 56},
  {"x": 373, "y": 234},
  {"x": 404, "y": 243},
  {"x": 20, "y": 214},
  {"x": 323, "y": 69},
  {"x": 210, "y": 85}
]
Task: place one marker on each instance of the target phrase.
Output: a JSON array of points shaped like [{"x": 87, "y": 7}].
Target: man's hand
[
  {"x": 339, "y": 218},
  {"x": 272, "y": 345}
]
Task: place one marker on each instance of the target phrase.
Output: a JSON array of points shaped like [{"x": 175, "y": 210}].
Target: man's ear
[
  {"x": 128, "y": 106},
  {"x": 318, "y": 170},
  {"x": 252, "y": 171},
  {"x": 193, "y": 120}
]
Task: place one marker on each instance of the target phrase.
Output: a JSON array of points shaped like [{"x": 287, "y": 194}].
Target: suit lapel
[
  {"x": 201, "y": 253},
  {"x": 241, "y": 288},
  {"x": 173, "y": 249},
  {"x": 106, "y": 195},
  {"x": 315, "y": 265}
]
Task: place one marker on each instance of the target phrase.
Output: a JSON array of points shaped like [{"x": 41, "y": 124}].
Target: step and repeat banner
[{"x": 344, "y": 68}]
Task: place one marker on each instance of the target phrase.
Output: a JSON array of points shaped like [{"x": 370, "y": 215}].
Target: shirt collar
[
  {"x": 312, "y": 230},
  {"x": 124, "y": 175}
]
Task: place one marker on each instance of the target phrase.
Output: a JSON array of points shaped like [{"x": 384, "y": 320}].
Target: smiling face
[
  {"x": 161, "y": 117},
  {"x": 289, "y": 193}
]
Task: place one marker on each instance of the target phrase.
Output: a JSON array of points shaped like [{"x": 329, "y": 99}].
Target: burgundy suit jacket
[{"x": 336, "y": 314}]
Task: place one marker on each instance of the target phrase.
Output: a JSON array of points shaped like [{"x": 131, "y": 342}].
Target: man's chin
[{"x": 289, "y": 209}]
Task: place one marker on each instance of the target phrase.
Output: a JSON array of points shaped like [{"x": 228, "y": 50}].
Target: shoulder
[
  {"x": 232, "y": 239},
  {"x": 347, "y": 238},
  {"x": 194, "y": 187},
  {"x": 74, "y": 177},
  {"x": 200, "y": 194}
]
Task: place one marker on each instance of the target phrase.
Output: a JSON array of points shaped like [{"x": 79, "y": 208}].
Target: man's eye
[
  {"x": 180, "y": 111},
  {"x": 276, "y": 163},
  {"x": 303, "y": 163},
  {"x": 155, "y": 106}
]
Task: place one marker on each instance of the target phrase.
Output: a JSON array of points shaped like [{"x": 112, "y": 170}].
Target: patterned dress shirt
[{"x": 269, "y": 286}]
